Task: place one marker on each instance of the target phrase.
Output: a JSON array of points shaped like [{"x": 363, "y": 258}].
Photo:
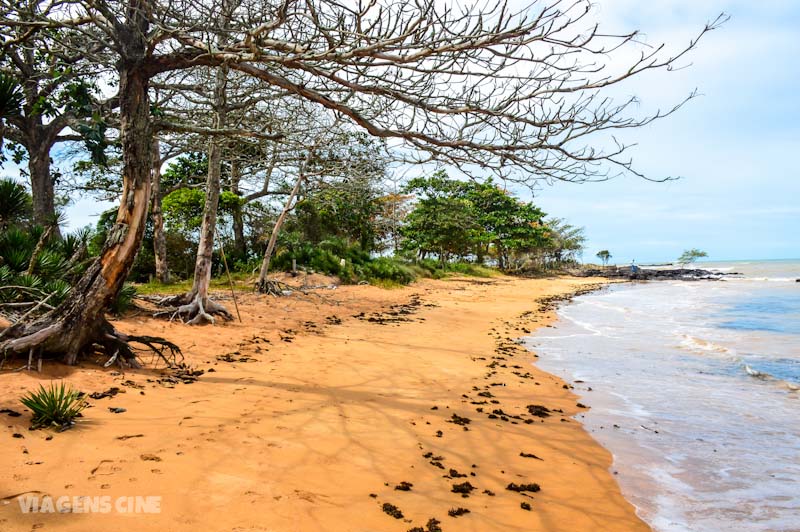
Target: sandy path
[{"x": 299, "y": 439}]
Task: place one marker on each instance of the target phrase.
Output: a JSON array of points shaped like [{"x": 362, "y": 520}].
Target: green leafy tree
[
  {"x": 604, "y": 256},
  {"x": 690, "y": 256},
  {"x": 444, "y": 226},
  {"x": 508, "y": 226},
  {"x": 472, "y": 218},
  {"x": 565, "y": 243}
]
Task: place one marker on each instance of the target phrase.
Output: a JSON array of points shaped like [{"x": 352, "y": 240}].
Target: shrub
[
  {"x": 124, "y": 299},
  {"x": 389, "y": 269},
  {"x": 56, "y": 405}
]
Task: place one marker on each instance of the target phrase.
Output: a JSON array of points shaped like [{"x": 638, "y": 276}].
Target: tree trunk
[
  {"x": 79, "y": 321},
  {"x": 195, "y": 306},
  {"x": 273, "y": 238},
  {"x": 42, "y": 187},
  {"x": 159, "y": 239},
  {"x": 239, "y": 243}
]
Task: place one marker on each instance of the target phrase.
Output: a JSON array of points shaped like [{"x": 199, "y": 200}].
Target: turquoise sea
[{"x": 694, "y": 386}]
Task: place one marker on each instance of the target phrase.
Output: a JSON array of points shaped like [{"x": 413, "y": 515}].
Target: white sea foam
[{"x": 703, "y": 437}]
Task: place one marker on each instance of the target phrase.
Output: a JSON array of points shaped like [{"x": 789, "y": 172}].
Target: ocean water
[{"x": 695, "y": 389}]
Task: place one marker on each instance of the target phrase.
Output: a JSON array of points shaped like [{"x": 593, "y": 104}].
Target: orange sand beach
[{"x": 313, "y": 412}]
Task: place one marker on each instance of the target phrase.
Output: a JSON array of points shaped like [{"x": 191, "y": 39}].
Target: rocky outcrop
[{"x": 653, "y": 274}]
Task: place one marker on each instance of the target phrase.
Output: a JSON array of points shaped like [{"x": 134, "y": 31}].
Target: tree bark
[
  {"x": 42, "y": 186},
  {"x": 239, "y": 243},
  {"x": 195, "y": 306},
  {"x": 159, "y": 239},
  {"x": 273, "y": 238},
  {"x": 79, "y": 322}
]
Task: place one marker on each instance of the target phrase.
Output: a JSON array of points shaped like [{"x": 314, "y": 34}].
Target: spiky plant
[
  {"x": 57, "y": 405},
  {"x": 124, "y": 300},
  {"x": 15, "y": 202},
  {"x": 10, "y": 96}
]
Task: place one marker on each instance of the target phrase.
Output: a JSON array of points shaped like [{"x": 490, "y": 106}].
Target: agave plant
[
  {"x": 15, "y": 202},
  {"x": 10, "y": 101},
  {"x": 57, "y": 405}
]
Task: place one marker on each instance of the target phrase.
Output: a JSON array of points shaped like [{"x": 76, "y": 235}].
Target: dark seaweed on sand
[
  {"x": 458, "y": 420},
  {"x": 538, "y": 410},
  {"x": 392, "y": 510},
  {"x": 465, "y": 488},
  {"x": 532, "y": 487}
]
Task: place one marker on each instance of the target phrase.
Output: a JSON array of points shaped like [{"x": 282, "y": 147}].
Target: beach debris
[
  {"x": 116, "y": 409},
  {"x": 396, "y": 314},
  {"x": 391, "y": 509},
  {"x": 465, "y": 488},
  {"x": 111, "y": 392},
  {"x": 455, "y": 474},
  {"x": 459, "y": 420},
  {"x": 525, "y": 506},
  {"x": 521, "y": 488},
  {"x": 529, "y": 455},
  {"x": 235, "y": 357},
  {"x": 490, "y": 493},
  {"x": 456, "y": 512},
  {"x": 17, "y": 435},
  {"x": 538, "y": 410},
  {"x": 581, "y": 405},
  {"x": 150, "y": 458},
  {"x": 11, "y": 413},
  {"x": 129, "y": 436},
  {"x": 431, "y": 526},
  {"x": 404, "y": 486}
]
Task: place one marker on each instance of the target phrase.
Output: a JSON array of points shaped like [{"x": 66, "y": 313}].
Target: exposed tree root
[
  {"x": 57, "y": 340},
  {"x": 193, "y": 309},
  {"x": 273, "y": 287}
]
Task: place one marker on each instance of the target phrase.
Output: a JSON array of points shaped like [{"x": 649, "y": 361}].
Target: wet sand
[{"x": 317, "y": 410}]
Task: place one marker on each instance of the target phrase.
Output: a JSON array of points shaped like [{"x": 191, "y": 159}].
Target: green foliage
[
  {"x": 470, "y": 219},
  {"x": 15, "y": 203},
  {"x": 565, "y": 243},
  {"x": 94, "y": 139},
  {"x": 124, "y": 300},
  {"x": 348, "y": 262},
  {"x": 187, "y": 170},
  {"x": 10, "y": 96},
  {"x": 347, "y": 210},
  {"x": 604, "y": 256},
  {"x": 183, "y": 208},
  {"x": 389, "y": 269},
  {"x": 690, "y": 256},
  {"x": 59, "y": 263},
  {"x": 57, "y": 405}
]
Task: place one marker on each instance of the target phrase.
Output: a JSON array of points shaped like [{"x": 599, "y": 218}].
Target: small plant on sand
[{"x": 57, "y": 405}]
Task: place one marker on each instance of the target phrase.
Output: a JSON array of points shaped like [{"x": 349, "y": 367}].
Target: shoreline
[
  {"x": 314, "y": 414},
  {"x": 717, "y": 454}
]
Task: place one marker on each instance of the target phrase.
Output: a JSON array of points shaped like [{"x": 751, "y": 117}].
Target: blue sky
[{"x": 734, "y": 147}]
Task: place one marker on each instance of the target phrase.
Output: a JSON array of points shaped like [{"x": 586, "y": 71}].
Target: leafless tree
[{"x": 467, "y": 84}]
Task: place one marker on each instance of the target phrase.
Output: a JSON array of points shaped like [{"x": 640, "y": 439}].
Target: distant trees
[
  {"x": 690, "y": 256},
  {"x": 476, "y": 220},
  {"x": 604, "y": 256}
]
